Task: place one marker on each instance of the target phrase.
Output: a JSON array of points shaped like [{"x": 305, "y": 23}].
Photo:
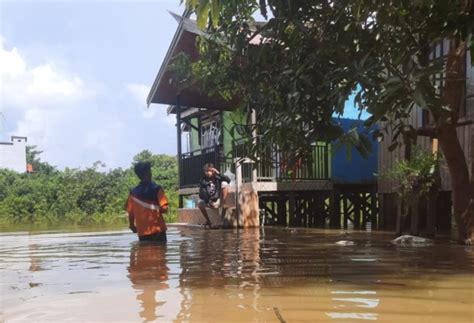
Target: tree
[
  {"x": 299, "y": 68},
  {"x": 91, "y": 195},
  {"x": 32, "y": 157},
  {"x": 164, "y": 168}
]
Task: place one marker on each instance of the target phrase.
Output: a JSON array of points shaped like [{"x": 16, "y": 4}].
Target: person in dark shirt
[{"x": 212, "y": 190}]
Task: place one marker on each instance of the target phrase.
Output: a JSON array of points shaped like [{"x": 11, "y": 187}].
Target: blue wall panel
[{"x": 356, "y": 169}]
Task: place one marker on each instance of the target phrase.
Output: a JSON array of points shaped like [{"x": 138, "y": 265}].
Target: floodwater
[{"x": 270, "y": 275}]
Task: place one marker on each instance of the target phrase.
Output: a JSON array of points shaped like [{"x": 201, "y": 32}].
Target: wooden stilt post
[
  {"x": 432, "y": 213},
  {"x": 364, "y": 210},
  {"x": 400, "y": 208},
  {"x": 282, "y": 210},
  {"x": 381, "y": 211},
  {"x": 335, "y": 209},
  {"x": 292, "y": 207},
  {"x": 414, "y": 216},
  {"x": 374, "y": 210},
  {"x": 356, "y": 206},
  {"x": 433, "y": 197},
  {"x": 238, "y": 184},
  {"x": 178, "y": 134},
  {"x": 345, "y": 210},
  {"x": 255, "y": 143},
  {"x": 312, "y": 211}
]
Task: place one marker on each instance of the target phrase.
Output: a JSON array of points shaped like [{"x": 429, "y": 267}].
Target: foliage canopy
[
  {"x": 78, "y": 196},
  {"x": 298, "y": 69}
]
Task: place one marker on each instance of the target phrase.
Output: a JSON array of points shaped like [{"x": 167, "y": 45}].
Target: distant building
[{"x": 13, "y": 154}]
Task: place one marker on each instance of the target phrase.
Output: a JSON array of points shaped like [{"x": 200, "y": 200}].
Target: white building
[{"x": 13, "y": 154}]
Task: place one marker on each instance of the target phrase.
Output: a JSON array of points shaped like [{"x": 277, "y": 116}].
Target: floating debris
[
  {"x": 278, "y": 315},
  {"x": 345, "y": 243},
  {"x": 413, "y": 241}
]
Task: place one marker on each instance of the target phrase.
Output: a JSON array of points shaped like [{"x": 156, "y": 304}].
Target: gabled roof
[{"x": 164, "y": 92}]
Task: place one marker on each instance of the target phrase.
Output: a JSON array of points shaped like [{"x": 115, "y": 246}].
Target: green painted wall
[
  {"x": 230, "y": 119},
  {"x": 194, "y": 136}
]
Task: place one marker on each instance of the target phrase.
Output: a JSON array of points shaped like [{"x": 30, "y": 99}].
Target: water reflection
[
  {"x": 288, "y": 274},
  {"x": 34, "y": 260},
  {"x": 226, "y": 275},
  {"x": 219, "y": 268},
  {"x": 148, "y": 273},
  {"x": 264, "y": 276},
  {"x": 349, "y": 304},
  {"x": 218, "y": 259}
]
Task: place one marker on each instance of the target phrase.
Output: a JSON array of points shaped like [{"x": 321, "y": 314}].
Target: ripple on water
[{"x": 248, "y": 275}]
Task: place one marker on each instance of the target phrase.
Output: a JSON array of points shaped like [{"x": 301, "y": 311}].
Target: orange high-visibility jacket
[{"x": 144, "y": 203}]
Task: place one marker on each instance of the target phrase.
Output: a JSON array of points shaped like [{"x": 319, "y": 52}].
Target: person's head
[
  {"x": 143, "y": 171},
  {"x": 208, "y": 170}
]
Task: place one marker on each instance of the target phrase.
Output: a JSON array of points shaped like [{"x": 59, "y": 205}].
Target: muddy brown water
[{"x": 270, "y": 275}]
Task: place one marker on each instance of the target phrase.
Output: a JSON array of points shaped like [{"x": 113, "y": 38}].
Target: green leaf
[
  {"x": 419, "y": 99},
  {"x": 215, "y": 9},
  {"x": 202, "y": 14}
]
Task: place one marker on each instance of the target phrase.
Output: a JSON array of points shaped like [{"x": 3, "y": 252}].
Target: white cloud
[
  {"x": 46, "y": 81},
  {"x": 76, "y": 120},
  {"x": 23, "y": 86},
  {"x": 36, "y": 101},
  {"x": 140, "y": 93},
  {"x": 11, "y": 63}
]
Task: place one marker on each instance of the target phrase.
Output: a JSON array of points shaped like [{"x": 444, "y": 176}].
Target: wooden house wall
[{"x": 387, "y": 159}]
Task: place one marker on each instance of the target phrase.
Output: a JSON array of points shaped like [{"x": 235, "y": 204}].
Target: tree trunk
[
  {"x": 453, "y": 96},
  {"x": 460, "y": 183}
]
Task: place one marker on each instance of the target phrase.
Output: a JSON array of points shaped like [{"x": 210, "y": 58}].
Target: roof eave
[{"x": 171, "y": 48}]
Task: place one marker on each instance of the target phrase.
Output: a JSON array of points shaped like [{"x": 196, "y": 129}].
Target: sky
[{"x": 75, "y": 74}]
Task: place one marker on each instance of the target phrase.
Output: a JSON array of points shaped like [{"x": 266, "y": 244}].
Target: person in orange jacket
[{"x": 146, "y": 205}]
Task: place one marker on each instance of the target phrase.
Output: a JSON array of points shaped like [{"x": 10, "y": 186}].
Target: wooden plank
[
  {"x": 188, "y": 191},
  {"x": 315, "y": 185}
]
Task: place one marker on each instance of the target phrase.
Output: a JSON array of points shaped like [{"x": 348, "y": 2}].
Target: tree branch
[
  {"x": 427, "y": 132},
  {"x": 464, "y": 123},
  {"x": 433, "y": 131}
]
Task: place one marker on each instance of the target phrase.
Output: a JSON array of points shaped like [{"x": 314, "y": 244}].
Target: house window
[
  {"x": 188, "y": 141},
  {"x": 210, "y": 134}
]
